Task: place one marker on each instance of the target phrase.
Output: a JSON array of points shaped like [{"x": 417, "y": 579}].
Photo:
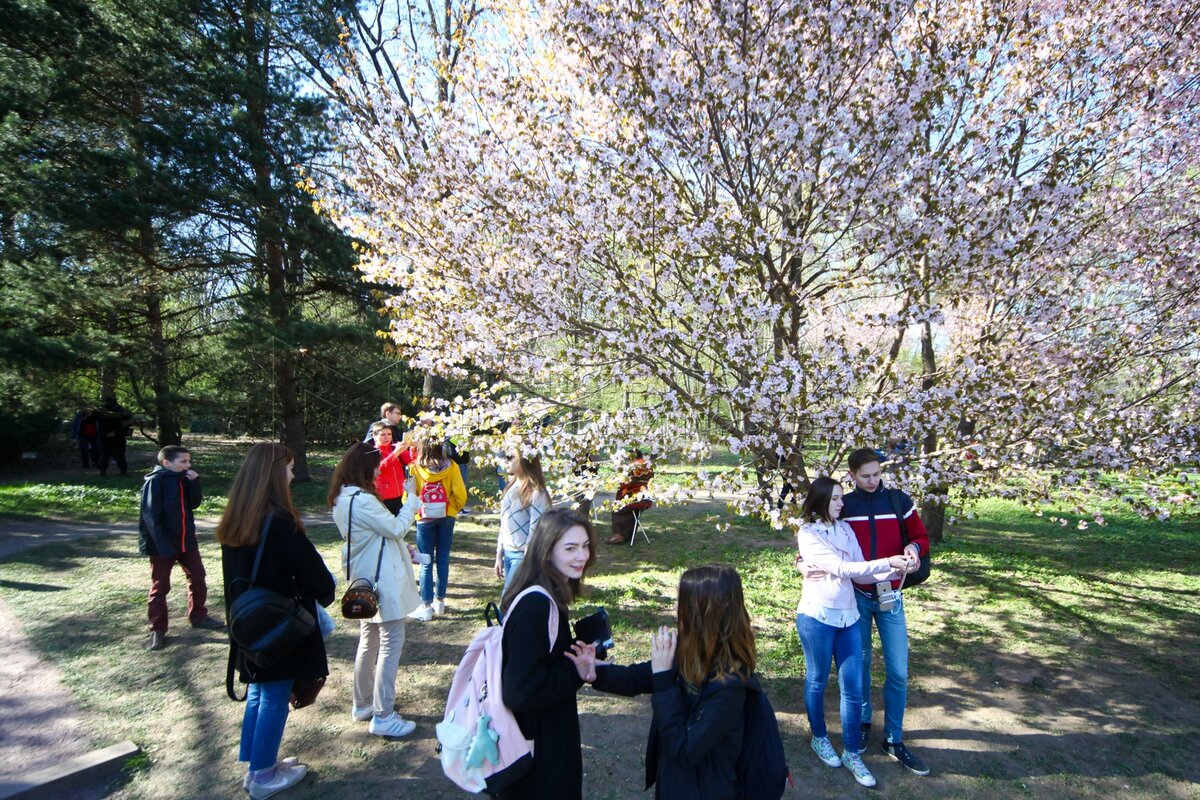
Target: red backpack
[{"x": 433, "y": 500}]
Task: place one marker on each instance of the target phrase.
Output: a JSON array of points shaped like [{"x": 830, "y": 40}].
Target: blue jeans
[
  {"x": 435, "y": 537},
  {"x": 823, "y": 644},
  {"x": 262, "y": 723},
  {"x": 893, "y": 636},
  {"x": 512, "y": 559}
]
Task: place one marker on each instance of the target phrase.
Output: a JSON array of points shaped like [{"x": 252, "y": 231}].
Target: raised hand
[
  {"x": 583, "y": 656},
  {"x": 662, "y": 649}
]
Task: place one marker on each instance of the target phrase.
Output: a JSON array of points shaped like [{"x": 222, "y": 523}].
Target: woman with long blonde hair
[
  {"x": 523, "y": 504},
  {"x": 260, "y": 504},
  {"x": 698, "y": 679}
]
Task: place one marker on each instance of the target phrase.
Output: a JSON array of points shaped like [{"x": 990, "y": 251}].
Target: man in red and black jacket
[
  {"x": 168, "y": 535},
  {"x": 886, "y": 524}
]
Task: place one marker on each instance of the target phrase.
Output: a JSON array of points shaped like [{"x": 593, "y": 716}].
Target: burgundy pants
[{"x": 160, "y": 585}]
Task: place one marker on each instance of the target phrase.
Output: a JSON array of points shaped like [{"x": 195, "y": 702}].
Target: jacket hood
[
  {"x": 161, "y": 470},
  {"x": 428, "y": 475}
]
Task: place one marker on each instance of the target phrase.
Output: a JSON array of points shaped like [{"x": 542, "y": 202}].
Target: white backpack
[{"x": 481, "y": 744}]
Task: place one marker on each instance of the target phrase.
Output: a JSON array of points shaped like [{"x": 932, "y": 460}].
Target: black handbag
[
  {"x": 361, "y": 600},
  {"x": 921, "y": 573},
  {"x": 264, "y": 624}
]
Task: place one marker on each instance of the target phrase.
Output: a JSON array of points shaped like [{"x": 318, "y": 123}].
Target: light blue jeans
[
  {"x": 262, "y": 723},
  {"x": 511, "y": 559},
  {"x": 822, "y": 645},
  {"x": 893, "y": 637},
  {"x": 435, "y": 537}
]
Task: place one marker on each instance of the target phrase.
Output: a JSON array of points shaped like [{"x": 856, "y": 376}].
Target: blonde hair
[{"x": 260, "y": 486}]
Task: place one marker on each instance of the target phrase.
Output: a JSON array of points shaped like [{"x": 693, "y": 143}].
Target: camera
[
  {"x": 888, "y": 597},
  {"x": 595, "y": 629}
]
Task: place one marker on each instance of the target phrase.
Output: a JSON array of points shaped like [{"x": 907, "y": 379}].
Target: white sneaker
[
  {"x": 439, "y": 606},
  {"x": 392, "y": 725},
  {"x": 361, "y": 714},
  {"x": 424, "y": 614},
  {"x": 285, "y": 778},
  {"x": 854, "y": 763},
  {"x": 289, "y": 762}
]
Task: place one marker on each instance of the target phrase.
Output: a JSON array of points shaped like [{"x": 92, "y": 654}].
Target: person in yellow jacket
[{"x": 442, "y": 494}]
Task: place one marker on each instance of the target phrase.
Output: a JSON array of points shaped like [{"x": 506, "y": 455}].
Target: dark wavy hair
[
  {"x": 715, "y": 637},
  {"x": 357, "y": 468},
  {"x": 816, "y": 502}
]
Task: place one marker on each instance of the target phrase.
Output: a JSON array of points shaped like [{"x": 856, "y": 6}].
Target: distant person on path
[
  {"x": 523, "y": 504},
  {"x": 390, "y": 414},
  {"x": 389, "y": 481},
  {"x": 871, "y": 511},
  {"x": 539, "y": 682},
  {"x": 442, "y": 495},
  {"x": 85, "y": 430},
  {"x": 291, "y": 566},
  {"x": 636, "y": 480},
  {"x": 698, "y": 680},
  {"x": 113, "y": 427},
  {"x": 375, "y": 545},
  {"x": 827, "y": 621},
  {"x": 170, "y": 495}
]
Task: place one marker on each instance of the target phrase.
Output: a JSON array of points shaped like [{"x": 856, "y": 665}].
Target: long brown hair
[
  {"x": 357, "y": 468},
  {"x": 431, "y": 455},
  {"x": 260, "y": 486},
  {"x": 537, "y": 568},
  {"x": 528, "y": 479},
  {"x": 714, "y": 626}
]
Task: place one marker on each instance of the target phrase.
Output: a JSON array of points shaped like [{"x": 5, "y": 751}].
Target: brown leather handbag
[{"x": 361, "y": 600}]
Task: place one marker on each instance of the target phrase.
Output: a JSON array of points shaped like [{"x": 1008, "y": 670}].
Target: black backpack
[{"x": 762, "y": 770}]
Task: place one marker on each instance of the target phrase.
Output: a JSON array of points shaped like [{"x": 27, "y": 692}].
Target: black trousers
[{"x": 113, "y": 447}]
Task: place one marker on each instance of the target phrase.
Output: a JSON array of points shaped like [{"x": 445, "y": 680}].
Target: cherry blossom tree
[{"x": 793, "y": 228}]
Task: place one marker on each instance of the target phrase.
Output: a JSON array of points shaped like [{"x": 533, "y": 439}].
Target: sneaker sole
[{"x": 834, "y": 764}]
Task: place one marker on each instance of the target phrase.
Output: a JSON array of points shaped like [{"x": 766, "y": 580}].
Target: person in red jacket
[
  {"x": 886, "y": 524},
  {"x": 394, "y": 458}
]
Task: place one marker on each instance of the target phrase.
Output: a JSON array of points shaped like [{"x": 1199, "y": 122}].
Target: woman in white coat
[{"x": 375, "y": 543}]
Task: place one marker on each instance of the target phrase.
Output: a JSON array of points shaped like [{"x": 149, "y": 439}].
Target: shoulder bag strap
[{"x": 349, "y": 528}]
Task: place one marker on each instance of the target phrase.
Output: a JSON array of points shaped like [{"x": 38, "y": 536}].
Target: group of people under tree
[
  {"x": 698, "y": 675},
  {"x": 102, "y": 434}
]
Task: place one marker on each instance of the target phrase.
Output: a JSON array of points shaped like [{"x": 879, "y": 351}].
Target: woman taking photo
[
  {"x": 435, "y": 534},
  {"x": 290, "y": 565},
  {"x": 539, "y": 681},
  {"x": 827, "y": 621},
  {"x": 699, "y": 683},
  {"x": 523, "y": 504},
  {"x": 375, "y": 546}
]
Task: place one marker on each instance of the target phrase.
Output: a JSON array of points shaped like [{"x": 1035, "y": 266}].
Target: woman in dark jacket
[
  {"x": 290, "y": 565},
  {"x": 698, "y": 684},
  {"x": 540, "y": 684}
]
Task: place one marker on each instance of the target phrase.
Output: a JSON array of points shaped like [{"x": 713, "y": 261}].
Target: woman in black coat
[
  {"x": 540, "y": 683},
  {"x": 291, "y": 566},
  {"x": 698, "y": 684}
]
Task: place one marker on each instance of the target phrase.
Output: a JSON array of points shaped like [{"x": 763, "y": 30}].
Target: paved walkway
[{"x": 40, "y": 725}]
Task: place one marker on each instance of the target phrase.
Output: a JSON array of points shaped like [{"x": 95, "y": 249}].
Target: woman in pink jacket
[{"x": 827, "y": 620}]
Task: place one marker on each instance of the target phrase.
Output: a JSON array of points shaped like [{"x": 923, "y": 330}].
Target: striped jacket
[{"x": 873, "y": 519}]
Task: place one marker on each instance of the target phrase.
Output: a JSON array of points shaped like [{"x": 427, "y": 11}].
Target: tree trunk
[
  {"x": 270, "y": 233},
  {"x": 933, "y": 512},
  {"x": 166, "y": 409}
]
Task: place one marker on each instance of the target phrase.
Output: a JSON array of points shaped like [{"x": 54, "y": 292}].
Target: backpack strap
[
  {"x": 552, "y": 628},
  {"x": 229, "y": 690},
  {"x": 262, "y": 540},
  {"x": 899, "y": 517}
]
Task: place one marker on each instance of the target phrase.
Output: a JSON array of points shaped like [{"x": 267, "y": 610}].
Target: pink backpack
[
  {"x": 433, "y": 500},
  {"x": 481, "y": 744}
]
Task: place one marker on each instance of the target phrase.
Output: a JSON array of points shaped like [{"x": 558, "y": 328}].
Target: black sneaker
[
  {"x": 209, "y": 623},
  {"x": 158, "y": 640},
  {"x": 864, "y": 735},
  {"x": 906, "y": 757}
]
